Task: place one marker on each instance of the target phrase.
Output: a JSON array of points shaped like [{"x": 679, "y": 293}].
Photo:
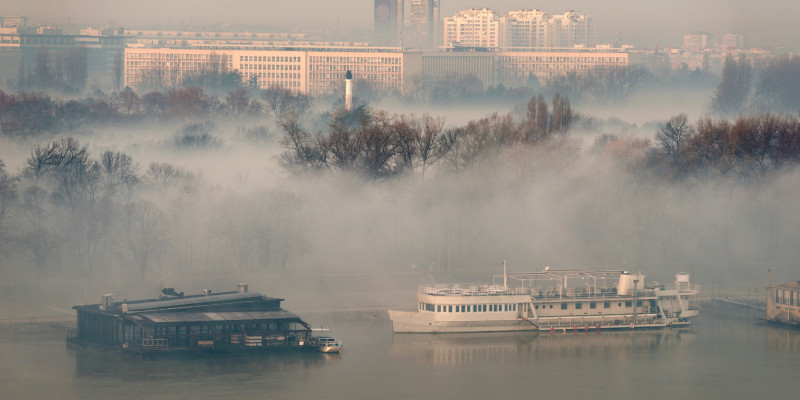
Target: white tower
[{"x": 348, "y": 90}]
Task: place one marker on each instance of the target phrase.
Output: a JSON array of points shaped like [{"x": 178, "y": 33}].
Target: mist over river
[{"x": 726, "y": 354}]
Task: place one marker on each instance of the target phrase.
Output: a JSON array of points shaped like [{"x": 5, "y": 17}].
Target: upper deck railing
[{"x": 472, "y": 289}]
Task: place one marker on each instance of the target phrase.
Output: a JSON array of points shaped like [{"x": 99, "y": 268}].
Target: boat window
[
  {"x": 628, "y": 303},
  {"x": 606, "y": 304},
  {"x": 638, "y": 303},
  {"x": 551, "y": 306},
  {"x": 578, "y": 306},
  {"x": 592, "y": 305},
  {"x": 515, "y": 307},
  {"x": 484, "y": 308},
  {"x": 428, "y": 307},
  {"x": 449, "y": 308},
  {"x": 469, "y": 308},
  {"x": 438, "y": 308},
  {"x": 536, "y": 306},
  {"x": 563, "y": 306}
]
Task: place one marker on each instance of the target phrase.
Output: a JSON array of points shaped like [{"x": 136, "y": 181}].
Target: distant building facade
[
  {"x": 423, "y": 28},
  {"x": 316, "y": 71},
  {"x": 732, "y": 41},
  {"x": 472, "y": 28},
  {"x": 697, "y": 41},
  {"x": 570, "y": 29},
  {"x": 99, "y": 53},
  {"x": 320, "y": 71},
  {"x": 524, "y": 28},
  {"x": 520, "y": 28},
  {"x": 388, "y": 27}
]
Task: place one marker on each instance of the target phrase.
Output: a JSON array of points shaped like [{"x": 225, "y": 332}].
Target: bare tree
[
  {"x": 303, "y": 153},
  {"x": 429, "y": 145},
  {"x": 144, "y": 233},
  {"x": 120, "y": 173},
  {"x": 673, "y": 136}
]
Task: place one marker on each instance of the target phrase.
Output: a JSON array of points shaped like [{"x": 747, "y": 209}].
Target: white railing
[{"x": 471, "y": 289}]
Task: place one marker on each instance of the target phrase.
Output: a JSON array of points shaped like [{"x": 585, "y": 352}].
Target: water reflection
[
  {"x": 782, "y": 338},
  {"x": 481, "y": 348},
  {"x": 94, "y": 362}
]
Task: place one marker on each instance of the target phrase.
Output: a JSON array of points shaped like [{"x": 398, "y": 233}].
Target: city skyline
[{"x": 646, "y": 24}]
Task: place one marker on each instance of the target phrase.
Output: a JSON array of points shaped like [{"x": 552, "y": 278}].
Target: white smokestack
[{"x": 348, "y": 90}]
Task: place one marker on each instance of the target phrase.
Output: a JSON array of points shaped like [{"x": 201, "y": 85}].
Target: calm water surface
[{"x": 726, "y": 354}]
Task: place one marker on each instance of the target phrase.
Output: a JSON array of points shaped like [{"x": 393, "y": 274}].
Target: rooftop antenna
[{"x": 505, "y": 276}]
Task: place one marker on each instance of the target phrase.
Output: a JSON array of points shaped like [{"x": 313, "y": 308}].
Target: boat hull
[
  {"x": 329, "y": 349},
  {"x": 415, "y": 322}
]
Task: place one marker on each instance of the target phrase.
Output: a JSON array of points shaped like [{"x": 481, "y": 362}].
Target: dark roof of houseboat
[
  {"x": 177, "y": 303},
  {"x": 175, "y": 318}
]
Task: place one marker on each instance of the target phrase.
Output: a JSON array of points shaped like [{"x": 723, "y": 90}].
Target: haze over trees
[{"x": 388, "y": 188}]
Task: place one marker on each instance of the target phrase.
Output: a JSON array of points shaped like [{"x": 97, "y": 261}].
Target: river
[{"x": 726, "y": 354}]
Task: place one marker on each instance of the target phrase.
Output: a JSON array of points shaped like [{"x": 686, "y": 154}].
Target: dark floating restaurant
[{"x": 228, "y": 322}]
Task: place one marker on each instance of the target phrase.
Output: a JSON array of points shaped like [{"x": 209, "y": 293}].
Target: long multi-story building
[
  {"x": 472, "y": 28},
  {"x": 320, "y": 71},
  {"x": 313, "y": 70}
]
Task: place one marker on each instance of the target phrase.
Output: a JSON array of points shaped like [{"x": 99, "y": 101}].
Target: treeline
[
  {"x": 772, "y": 87},
  {"x": 71, "y": 211},
  {"x": 749, "y": 147},
  {"x": 377, "y": 144},
  {"x": 28, "y": 115}
]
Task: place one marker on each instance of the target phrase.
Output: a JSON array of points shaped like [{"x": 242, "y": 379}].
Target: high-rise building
[
  {"x": 524, "y": 28},
  {"x": 697, "y": 41},
  {"x": 732, "y": 41},
  {"x": 423, "y": 25},
  {"x": 569, "y": 29},
  {"x": 472, "y": 28},
  {"x": 520, "y": 28},
  {"x": 388, "y": 22}
]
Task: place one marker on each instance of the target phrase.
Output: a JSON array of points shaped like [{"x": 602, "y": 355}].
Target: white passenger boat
[
  {"x": 326, "y": 344},
  {"x": 562, "y": 300}
]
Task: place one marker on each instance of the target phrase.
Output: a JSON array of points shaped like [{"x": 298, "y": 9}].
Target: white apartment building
[
  {"x": 569, "y": 29},
  {"x": 732, "y": 41},
  {"x": 697, "y": 41},
  {"x": 472, "y": 28},
  {"x": 520, "y": 28},
  {"x": 524, "y": 28}
]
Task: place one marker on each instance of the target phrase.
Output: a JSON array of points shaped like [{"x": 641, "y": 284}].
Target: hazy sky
[{"x": 645, "y": 23}]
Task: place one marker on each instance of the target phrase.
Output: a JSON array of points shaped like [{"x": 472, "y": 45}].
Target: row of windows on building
[
  {"x": 465, "y": 308},
  {"x": 178, "y": 56},
  {"x": 268, "y": 59},
  {"x": 273, "y": 67},
  {"x": 273, "y": 75},
  {"x": 356, "y": 68},
  {"x": 356, "y": 60}
]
